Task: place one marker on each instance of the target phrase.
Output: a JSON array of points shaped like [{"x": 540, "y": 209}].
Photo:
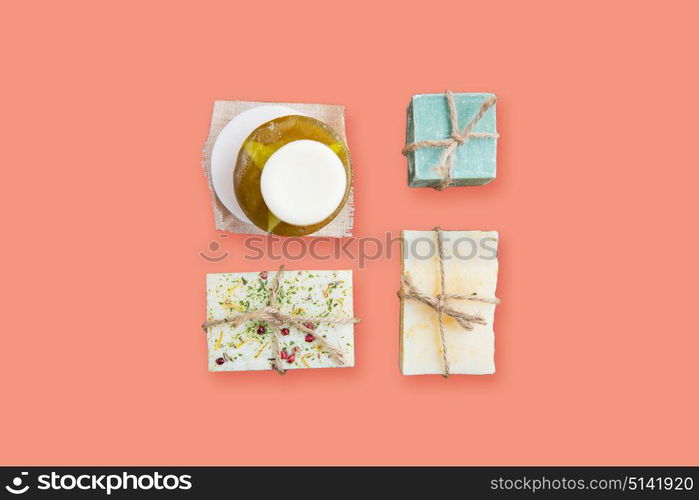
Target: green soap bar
[{"x": 428, "y": 119}]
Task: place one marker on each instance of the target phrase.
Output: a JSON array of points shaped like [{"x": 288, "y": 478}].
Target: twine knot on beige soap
[
  {"x": 439, "y": 302},
  {"x": 456, "y": 138},
  {"x": 275, "y": 317}
]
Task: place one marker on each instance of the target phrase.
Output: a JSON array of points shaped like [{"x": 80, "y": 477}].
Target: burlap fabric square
[{"x": 224, "y": 111}]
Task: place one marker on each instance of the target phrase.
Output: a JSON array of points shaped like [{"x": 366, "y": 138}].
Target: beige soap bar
[{"x": 471, "y": 266}]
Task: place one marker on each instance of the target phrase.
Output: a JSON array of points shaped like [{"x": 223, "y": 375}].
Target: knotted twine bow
[
  {"x": 456, "y": 139},
  {"x": 272, "y": 315},
  {"x": 439, "y": 303}
]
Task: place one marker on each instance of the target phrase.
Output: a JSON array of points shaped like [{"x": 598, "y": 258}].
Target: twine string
[
  {"x": 456, "y": 138},
  {"x": 271, "y": 314},
  {"x": 441, "y": 302}
]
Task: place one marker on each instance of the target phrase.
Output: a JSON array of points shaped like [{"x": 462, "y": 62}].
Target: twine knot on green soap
[
  {"x": 456, "y": 138},
  {"x": 274, "y": 316},
  {"x": 439, "y": 302}
]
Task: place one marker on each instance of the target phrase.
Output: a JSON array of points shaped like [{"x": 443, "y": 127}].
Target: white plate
[{"x": 224, "y": 154}]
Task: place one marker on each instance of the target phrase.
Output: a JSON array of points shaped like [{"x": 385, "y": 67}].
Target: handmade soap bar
[
  {"x": 470, "y": 270},
  {"x": 309, "y": 173},
  {"x": 473, "y": 161},
  {"x": 249, "y": 346}
]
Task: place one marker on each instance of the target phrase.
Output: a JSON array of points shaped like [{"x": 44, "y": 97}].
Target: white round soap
[
  {"x": 224, "y": 154},
  {"x": 303, "y": 182}
]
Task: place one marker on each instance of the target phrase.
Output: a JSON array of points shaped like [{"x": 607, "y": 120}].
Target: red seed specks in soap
[
  {"x": 220, "y": 361},
  {"x": 309, "y": 337},
  {"x": 285, "y": 331},
  {"x": 309, "y": 325},
  {"x": 263, "y": 275},
  {"x": 283, "y": 354},
  {"x": 291, "y": 358},
  {"x": 260, "y": 330}
]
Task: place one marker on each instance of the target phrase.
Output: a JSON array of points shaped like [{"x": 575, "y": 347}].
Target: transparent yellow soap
[{"x": 253, "y": 156}]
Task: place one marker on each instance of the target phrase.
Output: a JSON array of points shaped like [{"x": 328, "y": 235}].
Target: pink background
[{"x": 105, "y": 210}]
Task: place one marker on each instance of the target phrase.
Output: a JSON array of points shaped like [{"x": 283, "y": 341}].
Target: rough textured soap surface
[
  {"x": 428, "y": 119},
  {"x": 471, "y": 266},
  {"x": 307, "y": 293}
]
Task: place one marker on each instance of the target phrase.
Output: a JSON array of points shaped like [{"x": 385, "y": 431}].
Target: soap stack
[{"x": 245, "y": 136}]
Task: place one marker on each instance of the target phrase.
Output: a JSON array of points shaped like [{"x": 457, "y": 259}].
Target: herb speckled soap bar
[
  {"x": 303, "y": 293},
  {"x": 428, "y": 119}
]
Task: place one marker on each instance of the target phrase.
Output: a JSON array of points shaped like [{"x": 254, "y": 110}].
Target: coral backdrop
[{"x": 105, "y": 211}]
